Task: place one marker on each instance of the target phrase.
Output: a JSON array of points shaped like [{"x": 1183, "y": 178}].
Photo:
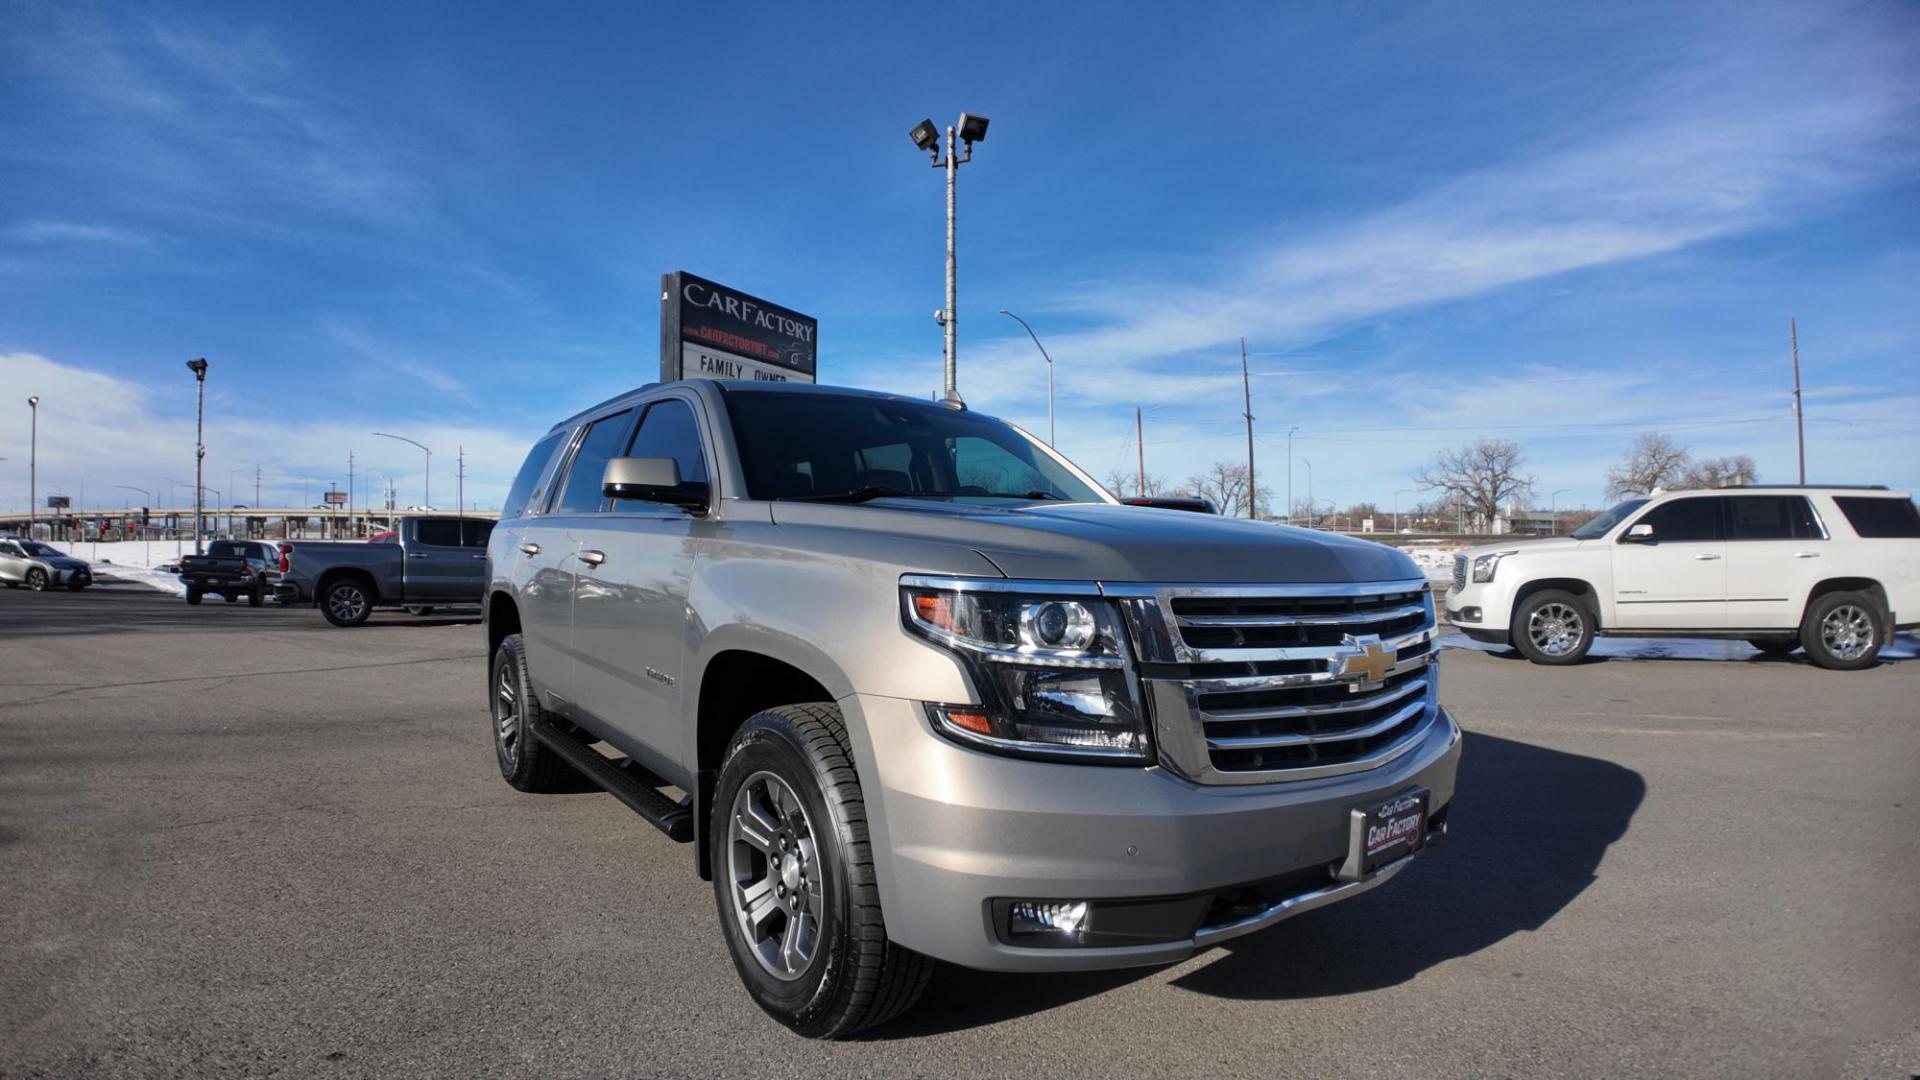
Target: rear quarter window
[{"x": 1881, "y": 517}]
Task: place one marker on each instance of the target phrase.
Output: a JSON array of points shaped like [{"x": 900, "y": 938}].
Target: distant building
[{"x": 1525, "y": 522}]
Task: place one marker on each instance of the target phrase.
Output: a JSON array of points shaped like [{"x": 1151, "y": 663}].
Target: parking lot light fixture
[
  {"x": 199, "y": 368},
  {"x": 1043, "y": 356},
  {"x": 33, "y": 465},
  {"x": 926, "y": 138},
  {"x": 427, "y": 498}
]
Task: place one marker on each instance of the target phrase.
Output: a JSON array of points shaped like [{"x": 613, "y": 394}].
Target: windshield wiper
[
  {"x": 1024, "y": 495},
  {"x": 857, "y": 495}
]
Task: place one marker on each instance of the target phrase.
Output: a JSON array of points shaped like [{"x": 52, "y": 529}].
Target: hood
[
  {"x": 1526, "y": 544},
  {"x": 64, "y": 562},
  {"x": 1103, "y": 542}
]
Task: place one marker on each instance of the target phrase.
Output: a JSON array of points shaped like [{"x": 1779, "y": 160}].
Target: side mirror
[
  {"x": 1641, "y": 533},
  {"x": 651, "y": 480}
]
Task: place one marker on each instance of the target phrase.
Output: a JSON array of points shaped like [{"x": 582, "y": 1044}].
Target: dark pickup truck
[
  {"x": 234, "y": 569},
  {"x": 431, "y": 561}
]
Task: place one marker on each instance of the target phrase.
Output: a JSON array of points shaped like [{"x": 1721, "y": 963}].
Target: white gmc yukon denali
[{"x": 1832, "y": 570}]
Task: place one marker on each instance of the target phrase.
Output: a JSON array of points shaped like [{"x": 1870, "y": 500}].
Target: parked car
[
  {"x": 436, "y": 561},
  {"x": 235, "y": 569},
  {"x": 39, "y": 566},
  {"x": 915, "y": 688},
  {"x": 1831, "y": 570}
]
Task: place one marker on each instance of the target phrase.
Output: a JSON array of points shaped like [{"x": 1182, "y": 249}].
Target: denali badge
[{"x": 1364, "y": 660}]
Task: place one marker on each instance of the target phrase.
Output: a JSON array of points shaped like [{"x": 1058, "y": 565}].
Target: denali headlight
[
  {"x": 1050, "y": 665},
  {"x": 1485, "y": 565}
]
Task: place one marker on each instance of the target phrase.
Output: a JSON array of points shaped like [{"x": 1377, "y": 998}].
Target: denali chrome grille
[{"x": 1255, "y": 684}]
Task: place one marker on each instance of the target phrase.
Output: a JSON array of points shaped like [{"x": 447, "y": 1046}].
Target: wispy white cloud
[{"x": 71, "y": 232}]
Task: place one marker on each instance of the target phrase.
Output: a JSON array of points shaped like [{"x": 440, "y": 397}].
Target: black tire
[
  {"x": 1844, "y": 631},
  {"x": 256, "y": 598},
  {"x": 193, "y": 596},
  {"x": 855, "y": 977},
  {"x": 1774, "y": 646},
  {"x": 346, "y": 602},
  {"x": 36, "y": 579},
  {"x": 76, "y": 586},
  {"x": 1553, "y": 627},
  {"x": 418, "y": 609},
  {"x": 230, "y": 597},
  {"x": 526, "y": 763}
]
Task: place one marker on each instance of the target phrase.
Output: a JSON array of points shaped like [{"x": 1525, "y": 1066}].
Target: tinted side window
[
  {"x": 1683, "y": 520},
  {"x": 474, "y": 532},
  {"x": 669, "y": 430},
  {"x": 522, "y": 493},
  {"x": 1771, "y": 517},
  {"x": 439, "y": 532},
  {"x": 589, "y": 468},
  {"x": 1880, "y": 518}
]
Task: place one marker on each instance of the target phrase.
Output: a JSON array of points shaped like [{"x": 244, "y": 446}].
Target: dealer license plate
[{"x": 1386, "y": 831}]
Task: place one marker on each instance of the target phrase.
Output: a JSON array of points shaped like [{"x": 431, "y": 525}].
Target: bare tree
[
  {"x": 1480, "y": 475},
  {"x": 1224, "y": 484},
  {"x": 1721, "y": 472},
  {"x": 1652, "y": 461},
  {"x": 1126, "y": 485}
]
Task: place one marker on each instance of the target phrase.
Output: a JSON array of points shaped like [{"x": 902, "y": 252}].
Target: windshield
[
  {"x": 1598, "y": 527},
  {"x": 850, "y": 448},
  {"x": 34, "y": 547}
]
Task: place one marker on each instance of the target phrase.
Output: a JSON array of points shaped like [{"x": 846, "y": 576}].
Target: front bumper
[
  {"x": 1479, "y": 610},
  {"x": 955, "y": 830}
]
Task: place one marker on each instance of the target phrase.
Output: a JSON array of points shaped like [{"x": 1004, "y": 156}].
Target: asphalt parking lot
[{"x": 238, "y": 841}]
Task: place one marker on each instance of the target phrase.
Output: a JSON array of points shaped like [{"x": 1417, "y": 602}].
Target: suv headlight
[
  {"x": 1485, "y": 565},
  {"x": 1050, "y": 664}
]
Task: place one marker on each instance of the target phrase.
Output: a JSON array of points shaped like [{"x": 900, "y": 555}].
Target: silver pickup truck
[
  {"x": 915, "y": 687},
  {"x": 431, "y": 561}
]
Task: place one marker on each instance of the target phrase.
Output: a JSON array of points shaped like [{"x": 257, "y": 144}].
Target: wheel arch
[
  {"x": 501, "y": 616},
  {"x": 1579, "y": 587},
  {"x": 735, "y": 684},
  {"x": 331, "y": 577},
  {"x": 1825, "y": 586}
]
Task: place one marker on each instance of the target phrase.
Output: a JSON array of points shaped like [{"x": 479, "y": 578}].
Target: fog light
[
  {"x": 1469, "y": 614},
  {"x": 1046, "y": 917}
]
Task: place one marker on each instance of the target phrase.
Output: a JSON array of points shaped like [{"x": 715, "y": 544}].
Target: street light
[
  {"x": 1396, "y": 509},
  {"x": 1290, "y": 432},
  {"x": 971, "y": 129},
  {"x": 1553, "y": 515},
  {"x": 199, "y": 369},
  {"x": 33, "y": 466},
  {"x": 1310, "y": 507},
  {"x": 428, "y": 497},
  {"x": 1043, "y": 356}
]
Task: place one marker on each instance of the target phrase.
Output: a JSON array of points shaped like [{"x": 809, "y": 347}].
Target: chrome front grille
[
  {"x": 1256, "y": 684},
  {"x": 1459, "y": 572}
]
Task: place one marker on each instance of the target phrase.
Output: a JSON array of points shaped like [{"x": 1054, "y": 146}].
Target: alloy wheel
[
  {"x": 773, "y": 864},
  {"x": 346, "y": 602},
  {"x": 506, "y": 715},
  {"x": 1848, "y": 632},
  {"x": 1556, "y": 628},
  {"x": 37, "y": 579}
]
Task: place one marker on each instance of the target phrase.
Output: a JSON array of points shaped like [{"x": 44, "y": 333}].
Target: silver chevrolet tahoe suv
[{"x": 915, "y": 687}]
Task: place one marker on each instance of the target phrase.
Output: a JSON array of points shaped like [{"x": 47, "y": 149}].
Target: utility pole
[
  {"x": 1290, "y": 432},
  {"x": 1246, "y": 398},
  {"x": 256, "y": 486},
  {"x": 349, "y": 490},
  {"x": 1799, "y": 420},
  {"x": 460, "y": 476},
  {"x": 199, "y": 368},
  {"x": 1310, "y": 506},
  {"x": 1140, "y": 444}
]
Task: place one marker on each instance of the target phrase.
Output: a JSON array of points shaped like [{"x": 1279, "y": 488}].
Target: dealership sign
[{"x": 709, "y": 331}]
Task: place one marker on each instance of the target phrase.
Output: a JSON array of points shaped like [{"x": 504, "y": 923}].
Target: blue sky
[{"x": 1558, "y": 224}]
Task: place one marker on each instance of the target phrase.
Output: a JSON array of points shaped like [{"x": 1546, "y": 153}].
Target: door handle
[
  {"x": 1806, "y": 554},
  {"x": 529, "y": 548},
  {"x": 418, "y": 555},
  {"x": 1706, "y": 558},
  {"x": 592, "y": 558},
  {"x": 476, "y": 556}
]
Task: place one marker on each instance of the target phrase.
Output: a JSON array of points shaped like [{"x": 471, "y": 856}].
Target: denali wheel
[
  {"x": 793, "y": 878},
  {"x": 346, "y": 603},
  {"x": 1843, "y": 631},
  {"x": 1553, "y": 627}
]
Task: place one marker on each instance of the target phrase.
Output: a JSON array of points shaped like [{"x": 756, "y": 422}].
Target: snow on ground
[
  {"x": 132, "y": 560},
  {"x": 1435, "y": 560}
]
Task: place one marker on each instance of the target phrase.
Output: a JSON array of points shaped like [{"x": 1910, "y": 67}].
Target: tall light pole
[
  {"x": 1396, "y": 508},
  {"x": 1290, "y": 432},
  {"x": 1310, "y": 506},
  {"x": 428, "y": 497},
  {"x": 971, "y": 129},
  {"x": 1043, "y": 356},
  {"x": 1246, "y": 400},
  {"x": 33, "y": 466},
  {"x": 199, "y": 369},
  {"x": 1553, "y": 503}
]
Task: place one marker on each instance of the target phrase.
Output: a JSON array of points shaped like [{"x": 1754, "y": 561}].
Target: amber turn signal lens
[
  {"x": 935, "y": 610},
  {"x": 975, "y": 722}
]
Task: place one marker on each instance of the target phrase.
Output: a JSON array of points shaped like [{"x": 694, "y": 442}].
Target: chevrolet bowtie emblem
[{"x": 1363, "y": 659}]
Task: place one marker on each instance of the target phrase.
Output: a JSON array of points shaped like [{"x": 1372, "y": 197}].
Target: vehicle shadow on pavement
[
  {"x": 1901, "y": 647},
  {"x": 1529, "y": 829}
]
